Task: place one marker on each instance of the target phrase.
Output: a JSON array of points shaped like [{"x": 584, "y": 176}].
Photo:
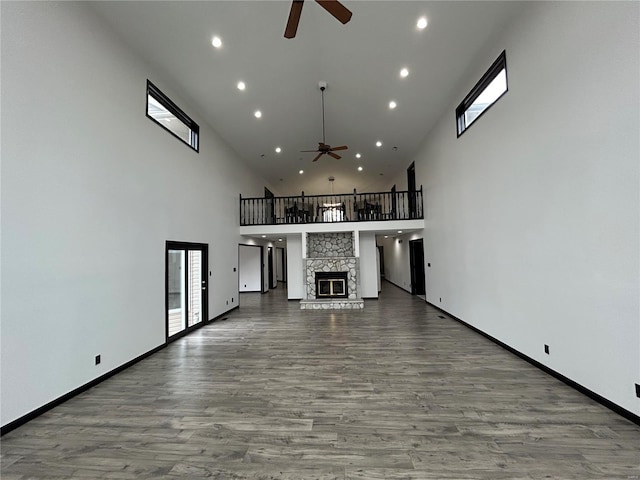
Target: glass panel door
[
  {"x": 186, "y": 286},
  {"x": 176, "y": 292},
  {"x": 194, "y": 276}
]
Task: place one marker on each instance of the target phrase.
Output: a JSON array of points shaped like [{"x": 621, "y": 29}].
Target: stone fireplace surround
[{"x": 331, "y": 252}]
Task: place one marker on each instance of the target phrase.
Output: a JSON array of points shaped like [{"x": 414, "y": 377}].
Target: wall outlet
[
  {"x": 98, "y": 359},
  {"x": 546, "y": 349}
]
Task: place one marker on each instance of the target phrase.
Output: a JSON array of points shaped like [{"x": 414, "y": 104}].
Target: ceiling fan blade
[
  {"x": 335, "y": 8},
  {"x": 294, "y": 19},
  {"x": 342, "y": 147},
  {"x": 309, "y": 151},
  {"x": 319, "y": 155},
  {"x": 334, "y": 155}
]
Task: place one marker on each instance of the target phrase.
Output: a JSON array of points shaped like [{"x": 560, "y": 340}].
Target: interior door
[
  {"x": 272, "y": 276},
  {"x": 185, "y": 286},
  {"x": 269, "y": 211},
  {"x": 416, "y": 259},
  {"x": 411, "y": 186}
]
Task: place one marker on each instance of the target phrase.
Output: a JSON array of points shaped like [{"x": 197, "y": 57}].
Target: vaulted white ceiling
[{"x": 360, "y": 61}]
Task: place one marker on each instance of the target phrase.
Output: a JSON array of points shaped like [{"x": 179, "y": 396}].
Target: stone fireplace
[
  {"x": 331, "y": 285},
  {"x": 331, "y": 272}
]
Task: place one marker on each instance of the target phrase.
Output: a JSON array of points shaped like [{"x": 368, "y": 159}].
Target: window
[
  {"x": 167, "y": 114},
  {"x": 487, "y": 91}
]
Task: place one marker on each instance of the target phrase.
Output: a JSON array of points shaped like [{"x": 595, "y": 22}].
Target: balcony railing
[{"x": 345, "y": 207}]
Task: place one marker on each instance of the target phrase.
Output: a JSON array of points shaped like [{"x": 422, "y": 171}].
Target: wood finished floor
[{"x": 390, "y": 392}]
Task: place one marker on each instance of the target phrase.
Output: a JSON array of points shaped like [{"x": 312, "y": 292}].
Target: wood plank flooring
[{"x": 273, "y": 392}]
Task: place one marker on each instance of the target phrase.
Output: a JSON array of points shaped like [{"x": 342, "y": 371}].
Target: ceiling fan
[
  {"x": 323, "y": 148},
  {"x": 334, "y": 7}
]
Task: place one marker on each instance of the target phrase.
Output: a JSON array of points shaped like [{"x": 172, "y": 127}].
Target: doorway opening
[
  {"x": 416, "y": 260},
  {"x": 186, "y": 301}
]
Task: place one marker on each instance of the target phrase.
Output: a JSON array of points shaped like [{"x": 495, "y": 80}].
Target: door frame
[
  {"x": 273, "y": 283},
  {"x": 413, "y": 264},
  {"x": 186, "y": 246}
]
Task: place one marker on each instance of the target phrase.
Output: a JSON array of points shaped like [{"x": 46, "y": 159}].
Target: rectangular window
[
  {"x": 487, "y": 91},
  {"x": 165, "y": 113}
]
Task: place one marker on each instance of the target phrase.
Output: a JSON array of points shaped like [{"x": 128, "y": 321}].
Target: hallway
[{"x": 396, "y": 391}]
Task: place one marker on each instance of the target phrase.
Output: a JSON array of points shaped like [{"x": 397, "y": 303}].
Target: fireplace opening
[{"x": 331, "y": 285}]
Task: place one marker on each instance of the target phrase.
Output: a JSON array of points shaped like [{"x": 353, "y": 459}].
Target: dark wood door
[
  {"x": 411, "y": 186},
  {"x": 416, "y": 259}
]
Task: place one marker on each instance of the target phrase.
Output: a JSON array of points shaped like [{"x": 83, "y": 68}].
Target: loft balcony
[{"x": 332, "y": 208}]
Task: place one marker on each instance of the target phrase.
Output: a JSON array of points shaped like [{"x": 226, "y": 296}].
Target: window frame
[
  {"x": 172, "y": 108},
  {"x": 494, "y": 70}
]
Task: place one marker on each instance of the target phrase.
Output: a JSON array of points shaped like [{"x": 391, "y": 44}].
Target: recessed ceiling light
[
  {"x": 264, "y": 236},
  {"x": 404, "y": 73},
  {"x": 241, "y": 85},
  {"x": 359, "y": 169},
  {"x": 392, "y": 104},
  {"x": 399, "y": 231},
  {"x": 257, "y": 114},
  {"x": 279, "y": 239},
  {"x": 378, "y": 143},
  {"x": 422, "y": 23},
  {"x": 301, "y": 172},
  {"x": 358, "y": 155},
  {"x": 216, "y": 42},
  {"x": 278, "y": 149},
  {"x": 386, "y": 236}
]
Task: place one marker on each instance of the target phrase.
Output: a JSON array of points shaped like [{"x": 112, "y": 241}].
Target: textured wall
[{"x": 322, "y": 245}]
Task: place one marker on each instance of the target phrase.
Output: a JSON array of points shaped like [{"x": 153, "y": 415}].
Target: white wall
[
  {"x": 91, "y": 191},
  {"x": 369, "y": 271},
  {"x": 295, "y": 284},
  {"x": 249, "y": 267},
  {"x": 533, "y": 213}
]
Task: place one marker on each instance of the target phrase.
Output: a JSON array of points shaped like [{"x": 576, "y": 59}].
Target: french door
[{"x": 185, "y": 286}]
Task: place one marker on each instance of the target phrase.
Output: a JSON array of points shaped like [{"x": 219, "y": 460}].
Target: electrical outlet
[
  {"x": 98, "y": 360},
  {"x": 546, "y": 349}
]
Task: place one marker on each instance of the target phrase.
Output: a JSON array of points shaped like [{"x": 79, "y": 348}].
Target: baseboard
[
  {"x": 67, "y": 396},
  {"x": 573, "y": 384},
  {"x": 224, "y": 314},
  {"x": 398, "y": 286}
]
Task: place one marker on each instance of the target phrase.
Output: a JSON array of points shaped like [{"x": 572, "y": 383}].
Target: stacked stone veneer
[
  {"x": 323, "y": 245},
  {"x": 350, "y": 265},
  {"x": 331, "y": 252}
]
